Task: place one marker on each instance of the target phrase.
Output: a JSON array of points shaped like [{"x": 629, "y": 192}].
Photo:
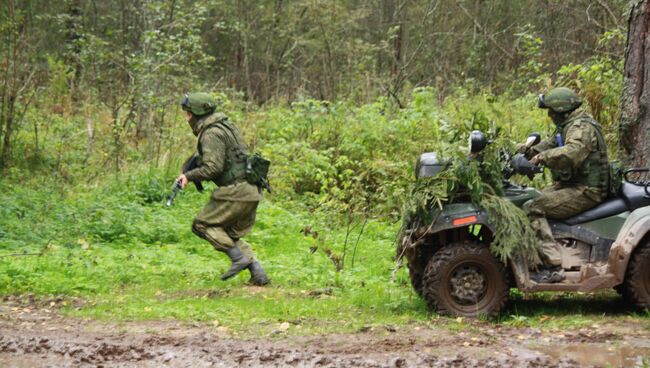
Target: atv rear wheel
[
  {"x": 637, "y": 278},
  {"x": 465, "y": 279}
]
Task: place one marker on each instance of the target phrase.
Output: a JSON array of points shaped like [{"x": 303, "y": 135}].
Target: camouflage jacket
[
  {"x": 576, "y": 153},
  {"x": 212, "y": 147}
]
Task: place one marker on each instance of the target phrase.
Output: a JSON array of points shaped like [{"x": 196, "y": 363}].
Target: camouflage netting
[{"x": 478, "y": 181}]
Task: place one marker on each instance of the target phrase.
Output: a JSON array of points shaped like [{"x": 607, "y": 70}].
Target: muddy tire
[
  {"x": 637, "y": 278},
  {"x": 465, "y": 279}
]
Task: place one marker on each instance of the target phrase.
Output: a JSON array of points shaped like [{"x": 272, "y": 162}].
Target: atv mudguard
[
  {"x": 635, "y": 230},
  {"x": 457, "y": 215}
]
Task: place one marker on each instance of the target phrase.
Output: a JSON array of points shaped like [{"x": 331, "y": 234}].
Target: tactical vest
[
  {"x": 236, "y": 152},
  {"x": 594, "y": 170}
]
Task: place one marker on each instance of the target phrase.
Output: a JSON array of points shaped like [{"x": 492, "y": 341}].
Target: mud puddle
[{"x": 600, "y": 355}]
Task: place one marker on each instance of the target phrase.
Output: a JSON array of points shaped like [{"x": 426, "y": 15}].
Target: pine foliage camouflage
[{"x": 479, "y": 181}]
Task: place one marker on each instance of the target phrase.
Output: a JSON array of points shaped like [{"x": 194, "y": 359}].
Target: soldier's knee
[{"x": 198, "y": 229}]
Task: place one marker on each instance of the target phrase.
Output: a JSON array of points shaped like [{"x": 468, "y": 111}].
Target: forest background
[{"x": 342, "y": 96}]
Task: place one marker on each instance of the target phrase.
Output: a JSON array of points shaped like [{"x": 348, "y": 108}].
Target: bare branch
[{"x": 482, "y": 29}]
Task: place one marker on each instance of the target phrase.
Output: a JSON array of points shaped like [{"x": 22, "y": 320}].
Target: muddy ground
[{"x": 35, "y": 334}]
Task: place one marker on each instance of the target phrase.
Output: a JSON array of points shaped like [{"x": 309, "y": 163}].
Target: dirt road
[{"x": 36, "y": 335}]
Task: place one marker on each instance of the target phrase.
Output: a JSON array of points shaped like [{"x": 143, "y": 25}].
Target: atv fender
[
  {"x": 458, "y": 215},
  {"x": 634, "y": 230}
]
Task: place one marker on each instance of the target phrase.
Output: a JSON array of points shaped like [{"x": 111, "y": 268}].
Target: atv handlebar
[{"x": 522, "y": 166}]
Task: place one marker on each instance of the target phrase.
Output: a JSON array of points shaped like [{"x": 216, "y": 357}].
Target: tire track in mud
[
  {"x": 40, "y": 337},
  {"x": 127, "y": 351}
]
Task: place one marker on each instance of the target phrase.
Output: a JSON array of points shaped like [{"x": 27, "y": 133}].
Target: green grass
[
  {"x": 127, "y": 279},
  {"x": 140, "y": 261}
]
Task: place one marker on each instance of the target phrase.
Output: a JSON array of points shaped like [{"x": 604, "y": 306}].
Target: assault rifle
[{"x": 191, "y": 163}]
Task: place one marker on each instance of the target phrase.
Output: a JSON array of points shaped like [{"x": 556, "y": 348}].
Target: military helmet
[
  {"x": 560, "y": 100},
  {"x": 198, "y": 103}
]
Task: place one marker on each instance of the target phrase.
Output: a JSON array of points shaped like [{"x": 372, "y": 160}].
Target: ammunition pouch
[
  {"x": 257, "y": 170},
  {"x": 254, "y": 170},
  {"x": 232, "y": 175}
]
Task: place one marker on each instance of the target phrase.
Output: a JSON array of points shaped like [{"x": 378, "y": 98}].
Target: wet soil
[{"x": 36, "y": 335}]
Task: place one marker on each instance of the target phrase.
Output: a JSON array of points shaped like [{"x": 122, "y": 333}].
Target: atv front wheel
[
  {"x": 465, "y": 279},
  {"x": 637, "y": 278}
]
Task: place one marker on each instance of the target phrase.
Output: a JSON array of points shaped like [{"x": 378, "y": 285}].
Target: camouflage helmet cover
[
  {"x": 198, "y": 103},
  {"x": 560, "y": 100}
]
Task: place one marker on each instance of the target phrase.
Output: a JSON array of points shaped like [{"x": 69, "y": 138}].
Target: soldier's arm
[
  {"x": 542, "y": 146},
  {"x": 187, "y": 162},
  {"x": 214, "y": 156},
  {"x": 580, "y": 141}
]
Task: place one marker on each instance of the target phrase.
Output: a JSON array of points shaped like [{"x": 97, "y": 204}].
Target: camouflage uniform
[
  {"x": 230, "y": 213},
  {"x": 580, "y": 172}
]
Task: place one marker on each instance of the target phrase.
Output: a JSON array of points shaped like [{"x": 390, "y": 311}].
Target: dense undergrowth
[{"x": 79, "y": 222}]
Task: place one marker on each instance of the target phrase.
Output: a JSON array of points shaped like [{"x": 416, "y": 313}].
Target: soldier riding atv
[{"x": 607, "y": 246}]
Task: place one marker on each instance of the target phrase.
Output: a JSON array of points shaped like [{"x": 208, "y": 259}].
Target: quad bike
[{"x": 451, "y": 265}]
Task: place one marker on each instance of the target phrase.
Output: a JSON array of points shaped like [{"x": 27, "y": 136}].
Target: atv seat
[
  {"x": 608, "y": 208},
  {"x": 632, "y": 197}
]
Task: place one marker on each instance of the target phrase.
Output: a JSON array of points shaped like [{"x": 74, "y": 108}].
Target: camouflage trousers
[
  {"x": 223, "y": 223},
  {"x": 557, "y": 202}
]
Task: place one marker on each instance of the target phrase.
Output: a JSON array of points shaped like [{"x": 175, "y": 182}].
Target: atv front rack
[{"x": 640, "y": 179}]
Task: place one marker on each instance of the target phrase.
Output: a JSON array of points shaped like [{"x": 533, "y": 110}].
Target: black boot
[
  {"x": 258, "y": 276},
  {"x": 239, "y": 262},
  {"x": 548, "y": 275}
]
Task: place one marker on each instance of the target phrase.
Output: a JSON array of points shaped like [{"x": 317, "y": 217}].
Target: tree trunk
[
  {"x": 72, "y": 40},
  {"x": 635, "y": 101},
  {"x": 10, "y": 88}
]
